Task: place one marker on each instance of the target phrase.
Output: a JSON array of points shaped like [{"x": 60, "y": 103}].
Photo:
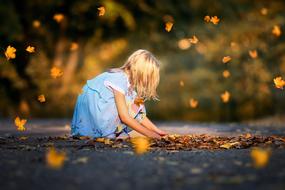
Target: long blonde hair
[{"x": 143, "y": 70}]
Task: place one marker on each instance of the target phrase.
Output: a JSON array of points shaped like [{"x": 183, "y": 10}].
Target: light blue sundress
[{"x": 95, "y": 114}]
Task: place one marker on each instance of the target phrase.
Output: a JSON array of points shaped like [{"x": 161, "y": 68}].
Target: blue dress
[{"x": 95, "y": 114}]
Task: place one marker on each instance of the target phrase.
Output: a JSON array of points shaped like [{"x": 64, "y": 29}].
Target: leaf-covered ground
[{"x": 195, "y": 161}]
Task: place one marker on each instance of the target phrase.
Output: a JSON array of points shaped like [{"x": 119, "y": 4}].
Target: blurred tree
[{"x": 72, "y": 36}]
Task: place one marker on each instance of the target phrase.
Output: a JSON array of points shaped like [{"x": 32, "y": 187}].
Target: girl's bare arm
[
  {"x": 148, "y": 124},
  {"x": 127, "y": 119}
]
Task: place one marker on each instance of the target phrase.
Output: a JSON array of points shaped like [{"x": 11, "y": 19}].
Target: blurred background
[{"x": 84, "y": 38}]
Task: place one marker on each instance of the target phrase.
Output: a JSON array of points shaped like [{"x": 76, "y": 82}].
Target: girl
[{"x": 113, "y": 102}]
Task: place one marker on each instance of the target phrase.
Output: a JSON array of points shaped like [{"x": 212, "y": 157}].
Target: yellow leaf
[
  {"x": 226, "y": 73},
  {"x": 81, "y": 160},
  {"x": 194, "y": 40},
  {"x": 102, "y": 140},
  {"x": 193, "y": 103},
  {"x": 225, "y": 96},
  {"x": 279, "y": 82},
  {"x": 248, "y": 135},
  {"x": 20, "y": 124},
  {"x": 30, "y": 49},
  {"x": 55, "y": 159},
  {"x": 56, "y": 72},
  {"x": 181, "y": 83},
  {"x": 23, "y": 138},
  {"x": 264, "y": 11},
  {"x": 215, "y": 20},
  {"x": 168, "y": 26},
  {"x": 10, "y": 52},
  {"x": 139, "y": 101},
  {"x": 276, "y": 31},
  {"x": 41, "y": 98},
  {"x": 226, "y": 59},
  {"x": 229, "y": 145},
  {"x": 101, "y": 10},
  {"x": 36, "y": 23},
  {"x": 58, "y": 17},
  {"x": 73, "y": 46},
  {"x": 140, "y": 144},
  {"x": 184, "y": 43},
  {"x": 119, "y": 128},
  {"x": 107, "y": 141},
  {"x": 253, "y": 54},
  {"x": 84, "y": 138},
  {"x": 207, "y": 18},
  {"x": 260, "y": 157}
]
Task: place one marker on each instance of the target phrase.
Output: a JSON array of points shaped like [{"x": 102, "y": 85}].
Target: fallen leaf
[
  {"x": 194, "y": 40},
  {"x": 140, "y": 144},
  {"x": 56, "y": 72},
  {"x": 10, "y": 52},
  {"x": 226, "y": 59},
  {"x": 168, "y": 26},
  {"x": 248, "y": 135},
  {"x": 58, "y": 17},
  {"x": 226, "y": 73},
  {"x": 20, "y": 124},
  {"x": 264, "y": 11},
  {"x": 54, "y": 158},
  {"x": 260, "y": 157},
  {"x": 196, "y": 170},
  {"x": 106, "y": 141},
  {"x": 225, "y": 96},
  {"x": 229, "y": 145},
  {"x": 184, "y": 43},
  {"x": 207, "y": 18},
  {"x": 193, "y": 103},
  {"x": 36, "y": 23},
  {"x": 81, "y": 160},
  {"x": 253, "y": 54},
  {"x": 84, "y": 138},
  {"x": 23, "y": 138},
  {"x": 101, "y": 10},
  {"x": 215, "y": 20},
  {"x": 30, "y": 49},
  {"x": 279, "y": 82},
  {"x": 139, "y": 101},
  {"x": 73, "y": 46},
  {"x": 276, "y": 31},
  {"x": 41, "y": 98}
]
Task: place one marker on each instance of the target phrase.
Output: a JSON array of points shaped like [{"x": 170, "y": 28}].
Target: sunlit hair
[{"x": 143, "y": 70}]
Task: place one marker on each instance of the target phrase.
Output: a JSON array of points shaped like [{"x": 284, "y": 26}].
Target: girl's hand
[{"x": 161, "y": 132}]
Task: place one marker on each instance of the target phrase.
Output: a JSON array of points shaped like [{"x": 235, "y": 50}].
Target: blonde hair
[{"x": 143, "y": 70}]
